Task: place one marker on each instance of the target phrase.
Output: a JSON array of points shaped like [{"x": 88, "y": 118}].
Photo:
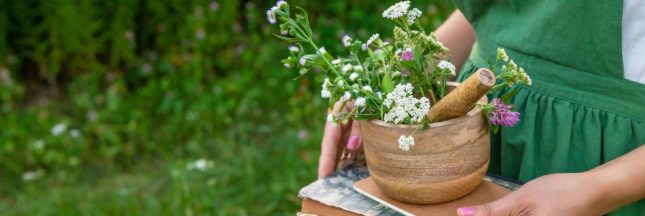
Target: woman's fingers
[
  {"x": 331, "y": 142},
  {"x": 352, "y": 144},
  {"x": 329, "y": 149},
  {"x": 355, "y": 139}
]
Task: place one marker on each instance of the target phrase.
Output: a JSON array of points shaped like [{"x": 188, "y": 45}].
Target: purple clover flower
[
  {"x": 502, "y": 114},
  {"x": 407, "y": 55}
]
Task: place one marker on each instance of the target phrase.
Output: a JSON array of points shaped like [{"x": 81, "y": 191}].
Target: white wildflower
[
  {"x": 347, "y": 96},
  {"x": 405, "y": 142},
  {"x": 340, "y": 82},
  {"x": 336, "y": 61},
  {"x": 39, "y": 144},
  {"x": 397, "y": 10},
  {"x": 58, "y": 129},
  {"x": 347, "y": 41},
  {"x": 446, "y": 65},
  {"x": 325, "y": 93},
  {"x": 303, "y": 61},
  {"x": 402, "y": 105},
  {"x": 287, "y": 65},
  {"x": 372, "y": 39},
  {"x": 353, "y": 76},
  {"x": 74, "y": 133},
  {"x": 280, "y": 4},
  {"x": 31, "y": 175},
  {"x": 501, "y": 54},
  {"x": 271, "y": 15},
  {"x": 413, "y": 15},
  {"x": 360, "y": 102},
  {"x": 200, "y": 165},
  {"x": 364, "y": 47},
  {"x": 322, "y": 51},
  {"x": 330, "y": 118},
  {"x": 294, "y": 49},
  {"x": 367, "y": 88},
  {"x": 346, "y": 68},
  {"x": 379, "y": 95},
  {"x": 358, "y": 68}
]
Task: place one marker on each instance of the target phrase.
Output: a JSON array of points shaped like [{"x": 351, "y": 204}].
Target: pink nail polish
[
  {"x": 352, "y": 143},
  {"x": 466, "y": 211}
]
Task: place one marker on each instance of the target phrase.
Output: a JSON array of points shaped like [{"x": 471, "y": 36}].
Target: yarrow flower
[
  {"x": 360, "y": 102},
  {"x": 407, "y": 55},
  {"x": 347, "y": 41},
  {"x": 397, "y": 10},
  {"x": 501, "y": 114},
  {"x": 405, "y": 142},
  {"x": 402, "y": 105},
  {"x": 413, "y": 15},
  {"x": 446, "y": 65}
]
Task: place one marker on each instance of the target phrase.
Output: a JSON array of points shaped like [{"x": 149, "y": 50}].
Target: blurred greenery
[{"x": 104, "y": 104}]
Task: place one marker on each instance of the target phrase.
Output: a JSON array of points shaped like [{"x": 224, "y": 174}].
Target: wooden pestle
[{"x": 464, "y": 97}]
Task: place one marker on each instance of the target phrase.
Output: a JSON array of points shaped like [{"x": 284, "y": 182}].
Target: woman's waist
[{"x": 607, "y": 93}]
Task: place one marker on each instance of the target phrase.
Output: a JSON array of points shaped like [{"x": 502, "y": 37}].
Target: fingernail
[
  {"x": 352, "y": 143},
  {"x": 466, "y": 211}
]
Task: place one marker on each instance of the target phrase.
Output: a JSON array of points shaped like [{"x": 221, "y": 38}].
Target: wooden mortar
[
  {"x": 463, "y": 98},
  {"x": 448, "y": 160}
]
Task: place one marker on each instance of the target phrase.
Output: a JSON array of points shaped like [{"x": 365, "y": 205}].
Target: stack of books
[{"x": 351, "y": 191}]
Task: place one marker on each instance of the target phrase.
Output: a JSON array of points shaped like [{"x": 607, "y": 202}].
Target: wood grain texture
[
  {"x": 485, "y": 192},
  {"x": 448, "y": 161},
  {"x": 463, "y": 98}
]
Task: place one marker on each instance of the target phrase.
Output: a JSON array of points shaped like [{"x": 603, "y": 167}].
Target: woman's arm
[
  {"x": 457, "y": 34},
  {"x": 595, "y": 192},
  {"x": 621, "y": 181}
]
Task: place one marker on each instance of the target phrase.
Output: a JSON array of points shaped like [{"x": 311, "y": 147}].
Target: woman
[{"x": 583, "y": 119}]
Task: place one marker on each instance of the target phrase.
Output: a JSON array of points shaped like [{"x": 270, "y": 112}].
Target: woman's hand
[
  {"x": 336, "y": 139},
  {"x": 555, "y": 194}
]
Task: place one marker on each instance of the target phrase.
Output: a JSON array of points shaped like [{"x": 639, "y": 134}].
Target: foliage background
[{"x": 141, "y": 88}]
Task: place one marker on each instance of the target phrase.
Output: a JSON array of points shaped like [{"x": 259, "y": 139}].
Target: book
[
  {"x": 336, "y": 191},
  {"x": 336, "y": 195},
  {"x": 487, "y": 191}
]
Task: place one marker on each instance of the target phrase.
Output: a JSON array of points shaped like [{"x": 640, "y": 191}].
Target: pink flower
[
  {"x": 407, "y": 55},
  {"x": 502, "y": 114}
]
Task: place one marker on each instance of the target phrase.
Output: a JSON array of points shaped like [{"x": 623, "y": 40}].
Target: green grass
[{"x": 144, "y": 110}]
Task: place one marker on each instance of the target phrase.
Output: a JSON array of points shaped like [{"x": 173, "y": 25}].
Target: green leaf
[
  {"x": 507, "y": 97},
  {"x": 387, "y": 84}
]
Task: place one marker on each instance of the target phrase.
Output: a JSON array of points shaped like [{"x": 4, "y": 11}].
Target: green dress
[{"x": 580, "y": 112}]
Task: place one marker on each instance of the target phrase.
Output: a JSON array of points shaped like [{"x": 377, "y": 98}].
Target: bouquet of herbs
[{"x": 394, "y": 81}]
